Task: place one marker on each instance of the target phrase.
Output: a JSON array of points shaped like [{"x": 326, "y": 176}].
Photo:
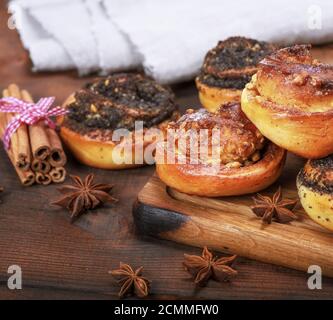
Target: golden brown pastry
[
  {"x": 315, "y": 189},
  {"x": 290, "y": 100},
  {"x": 227, "y": 68},
  {"x": 106, "y": 105},
  {"x": 238, "y": 160}
]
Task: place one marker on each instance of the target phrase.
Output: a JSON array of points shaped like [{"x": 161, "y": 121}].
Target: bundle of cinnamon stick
[{"x": 35, "y": 151}]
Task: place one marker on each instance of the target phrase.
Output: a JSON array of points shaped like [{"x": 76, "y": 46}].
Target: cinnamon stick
[
  {"x": 40, "y": 144},
  {"x": 44, "y": 152},
  {"x": 20, "y": 139},
  {"x": 42, "y": 178},
  {"x": 26, "y": 177},
  {"x": 58, "y": 174},
  {"x": 42, "y": 166},
  {"x": 19, "y": 152},
  {"x": 57, "y": 156}
]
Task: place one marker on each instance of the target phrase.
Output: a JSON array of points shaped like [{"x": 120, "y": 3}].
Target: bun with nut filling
[
  {"x": 290, "y": 100},
  {"x": 231, "y": 157}
]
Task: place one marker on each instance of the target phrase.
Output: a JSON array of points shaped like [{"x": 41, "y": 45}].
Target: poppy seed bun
[
  {"x": 106, "y": 105},
  {"x": 315, "y": 189},
  {"x": 227, "y": 68}
]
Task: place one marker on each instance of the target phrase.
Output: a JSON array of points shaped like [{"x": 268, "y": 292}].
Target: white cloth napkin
[
  {"x": 61, "y": 34},
  {"x": 45, "y": 51},
  {"x": 173, "y": 36},
  {"x": 168, "y": 38},
  {"x": 114, "y": 50}
]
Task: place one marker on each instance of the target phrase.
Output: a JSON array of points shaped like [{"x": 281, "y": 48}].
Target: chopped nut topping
[
  {"x": 255, "y": 157},
  {"x": 300, "y": 79},
  {"x": 93, "y": 108},
  {"x": 250, "y": 86},
  {"x": 316, "y": 82},
  {"x": 235, "y": 164}
]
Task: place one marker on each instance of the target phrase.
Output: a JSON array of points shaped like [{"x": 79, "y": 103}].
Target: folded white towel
[
  {"x": 62, "y": 35},
  {"x": 169, "y": 38},
  {"x": 173, "y": 36},
  {"x": 115, "y": 51},
  {"x": 69, "y": 24},
  {"x": 46, "y": 52}
]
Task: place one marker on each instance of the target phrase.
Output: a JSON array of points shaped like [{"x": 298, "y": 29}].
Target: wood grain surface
[
  {"x": 228, "y": 224},
  {"x": 60, "y": 260}
]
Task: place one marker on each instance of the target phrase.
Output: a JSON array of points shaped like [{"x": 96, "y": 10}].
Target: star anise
[
  {"x": 84, "y": 195},
  {"x": 274, "y": 208},
  {"x": 130, "y": 281},
  {"x": 207, "y": 266}
]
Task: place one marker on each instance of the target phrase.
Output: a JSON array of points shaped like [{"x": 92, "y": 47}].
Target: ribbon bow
[{"x": 28, "y": 113}]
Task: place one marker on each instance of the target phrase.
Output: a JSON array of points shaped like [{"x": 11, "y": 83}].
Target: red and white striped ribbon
[{"x": 28, "y": 113}]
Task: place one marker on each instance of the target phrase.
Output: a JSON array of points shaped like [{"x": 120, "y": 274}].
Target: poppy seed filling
[
  {"x": 117, "y": 102},
  {"x": 319, "y": 177},
  {"x": 237, "y": 54},
  {"x": 227, "y": 83}
]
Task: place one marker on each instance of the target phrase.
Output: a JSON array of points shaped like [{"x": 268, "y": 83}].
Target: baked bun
[
  {"x": 238, "y": 159},
  {"x": 120, "y": 101},
  {"x": 290, "y": 100},
  {"x": 227, "y": 68},
  {"x": 315, "y": 189}
]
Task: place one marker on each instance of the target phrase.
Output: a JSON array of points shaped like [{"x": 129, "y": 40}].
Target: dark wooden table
[{"x": 64, "y": 261}]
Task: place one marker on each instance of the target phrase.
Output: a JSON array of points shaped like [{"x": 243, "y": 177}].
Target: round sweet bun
[
  {"x": 92, "y": 152},
  {"x": 227, "y": 68},
  {"x": 290, "y": 100},
  {"x": 92, "y": 144},
  {"x": 246, "y": 162},
  {"x": 191, "y": 179},
  {"x": 315, "y": 189},
  {"x": 212, "y": 97}
]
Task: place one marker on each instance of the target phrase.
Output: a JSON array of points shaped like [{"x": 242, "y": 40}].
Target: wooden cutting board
[{"x": 228, "y": 224}]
